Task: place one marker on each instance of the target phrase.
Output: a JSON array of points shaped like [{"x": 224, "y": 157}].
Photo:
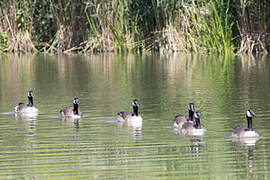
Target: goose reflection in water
[
  {"x": 196, "y": 147},
  {"x": 136, "y": 130},
  {"x": 69, "y": 121},
  {"x": 251, "y": 159},
  {"x": 30, "y": 120},
  {"x": 129, "y": 124},
  {"x": 250, "y": 144}
]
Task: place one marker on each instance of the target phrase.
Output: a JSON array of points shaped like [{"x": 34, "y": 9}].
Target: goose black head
[
  {"x": 191, "y": 110},
  {"x": 30, "y": 94},
  {"x": 76, "y": 100},
  {"x": 191, "y": 107},
  {"x": 135, "y": 103},
  {"x": 197, "y": 115},
  {"x": 20, "y": 103},
  {"x": 76, "y": 106},
  {"x": 250, "y": 113},
  {"x": 120, "y": 113}
]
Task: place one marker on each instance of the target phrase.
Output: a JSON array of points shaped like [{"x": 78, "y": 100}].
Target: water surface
[{"x": 45, "y": 147}]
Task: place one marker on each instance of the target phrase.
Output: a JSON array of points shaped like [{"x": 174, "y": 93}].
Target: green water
[{"x": 45, "y": 147}]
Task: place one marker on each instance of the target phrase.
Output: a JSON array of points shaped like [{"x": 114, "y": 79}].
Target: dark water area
[{"x": 45, "y": 147}]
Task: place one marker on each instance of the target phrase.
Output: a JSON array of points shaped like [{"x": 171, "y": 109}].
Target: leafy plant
[{"x": 4, "y": 42}]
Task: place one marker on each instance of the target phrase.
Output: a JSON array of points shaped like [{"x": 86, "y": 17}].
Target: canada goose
[
  {"x": 246, "y": 132},
  {"x": 133, "y": 118},
  {"x": 196, "y": 129},
  {"x": 72, "y": 112},
  {"x": 27, "y": 108},
  {"x": 180, "y": 119}
]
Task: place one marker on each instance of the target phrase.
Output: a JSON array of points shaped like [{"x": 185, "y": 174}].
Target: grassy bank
[{"x": 91, "y": 26}]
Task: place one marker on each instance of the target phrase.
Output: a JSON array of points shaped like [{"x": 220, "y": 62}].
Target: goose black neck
[
  {"x": 190, "y": 115},
  {"x": 197, "y": 124},
  {"x": 135, "y": 110},
  {"x": 30, "y": 101},
  {"x": 249, "y": 121},
  {"x": 75, "y": 109}
]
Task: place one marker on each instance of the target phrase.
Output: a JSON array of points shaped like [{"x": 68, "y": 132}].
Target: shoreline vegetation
[{"x": 94, "y": 26}]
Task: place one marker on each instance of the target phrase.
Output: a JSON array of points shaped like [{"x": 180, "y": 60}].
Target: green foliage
[
  {"x": 4, "y": 42},
  {"x": 208, "y": 27},
  {"x": 42, "y": 21},
  {"x": 131, "y": 25}
]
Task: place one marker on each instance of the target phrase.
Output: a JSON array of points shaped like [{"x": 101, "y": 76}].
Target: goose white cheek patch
[{"x": 248, "y": 114}]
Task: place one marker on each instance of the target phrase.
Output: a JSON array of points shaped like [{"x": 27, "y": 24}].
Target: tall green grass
[
  {"x": 92, "y": 26},
  {"x": 113, "y": 29},
  {"x": 208, "y": 27}
]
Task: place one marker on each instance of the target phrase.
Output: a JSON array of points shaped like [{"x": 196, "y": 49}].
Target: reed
[
  {"x": 111, "y": 30},
  {"x": 208, "y": 27},
  {"x": 254, "y": 26},
  {"x": 93, "y": 26}
]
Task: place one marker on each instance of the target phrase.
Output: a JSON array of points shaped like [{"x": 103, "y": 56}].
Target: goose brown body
[
  {"x": 20, "y": 107},
  {"x": 190, "y": 128},
  {"x": 243, "y": 132},
  {"x": 238, "y": 131},
  {"x": 180, "y": 120},
  {"x": 68, "y": 111},
  {"x": 123, "y": 116}
]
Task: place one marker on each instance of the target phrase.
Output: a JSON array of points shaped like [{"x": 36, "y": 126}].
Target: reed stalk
[
  {"x": 93, "y": 26},
  {"x": 208, "y": 28}
]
